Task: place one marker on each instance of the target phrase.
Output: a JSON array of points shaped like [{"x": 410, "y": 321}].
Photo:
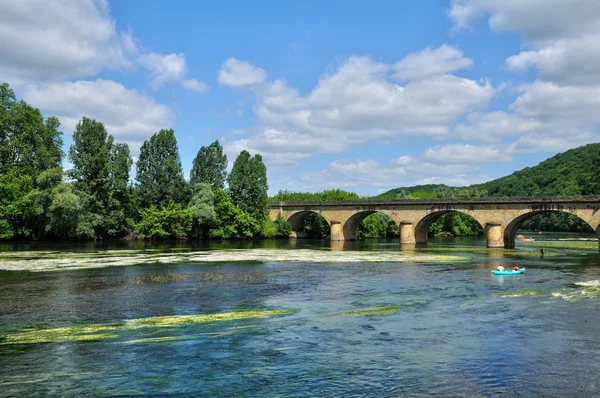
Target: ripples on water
[{"x": 368, "y": 321}]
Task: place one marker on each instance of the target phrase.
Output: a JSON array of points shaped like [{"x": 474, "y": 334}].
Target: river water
[{"x": 298, "y": 318}]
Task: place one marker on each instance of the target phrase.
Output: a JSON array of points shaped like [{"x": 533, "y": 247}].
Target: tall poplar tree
[
  {"x": 101, "y": 172},
  {"x": 159, "y": 172},
  {"x": 209, "y": 166},
  {"x": 248, "y": 185}
]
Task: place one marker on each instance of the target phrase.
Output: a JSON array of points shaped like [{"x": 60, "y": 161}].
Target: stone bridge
[{"x": 499, "y": 217}]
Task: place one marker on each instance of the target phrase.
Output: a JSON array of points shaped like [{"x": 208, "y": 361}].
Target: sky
[{"x": 361, "y": 96}]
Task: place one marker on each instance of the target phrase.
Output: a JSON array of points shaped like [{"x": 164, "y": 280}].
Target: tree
[
  {"x": 209, "y": 166},
  {"x": 120, "y": 201},
  {"x": 66, "y": 213},
  {"x": 248, "y": 185},
  {"x": 202, "y": 208},
  {"x": 170, "y": 221},
  {"x": 13, "y": 206},
  {"x": 91, "y": 158},
  {"x": 159, "y": 172},
  {"x": 232, "y": 222},
  {"x": 28, "y": 143}
]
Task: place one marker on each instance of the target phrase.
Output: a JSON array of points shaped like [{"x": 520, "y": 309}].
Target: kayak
[{"x": 510, "y": 272}]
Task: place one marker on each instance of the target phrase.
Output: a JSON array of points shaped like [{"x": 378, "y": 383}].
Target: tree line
[{"x": 95, "y": 198}]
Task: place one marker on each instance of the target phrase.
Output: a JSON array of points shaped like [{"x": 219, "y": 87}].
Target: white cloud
[
  {"x": 541, "y": 142},
  {"x": 535, "y": 20},
  {"x": 558, "y": 111},
  {"x": 358, "y": 103},
  {"x": 129, "y": 116},
  {"x": 495, "y": 126},
  {"x": 465, "y": 154},
  {"x": 170, "y": 68},
  {"x": 164, "y": 68},
  {"x": 240, "y": 73},
  {"x": 53, "y": 40},
  {"x": 401, "y": 171},
  {"x": 565, "y": 105},
  {"x": 195, "y": 85},
  {"x": 427, "y": 63}
]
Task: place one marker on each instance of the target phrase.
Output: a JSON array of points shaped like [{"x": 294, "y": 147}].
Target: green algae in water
[
  {"x": 109, "y": 331},
  {"x": 375, "y": 310},
  {"x": 591, "y": 245},
  {"x": 50, "y": 261},
  {"x": 521, "y": 293}
]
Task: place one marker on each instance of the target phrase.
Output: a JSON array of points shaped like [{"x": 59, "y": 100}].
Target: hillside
[{"x": 574, "y": 172}]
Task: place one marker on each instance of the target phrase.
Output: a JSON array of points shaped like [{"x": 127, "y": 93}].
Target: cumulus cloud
[
  {"x": 128, "y": 115},
  {"x": 557, "y": 111},
  {"x": 164, "y": 68},
  {"x": 240, "y": 73},
  {"x": 358, "y": 103},
  {"x": 401, "y": 171},
  {"x": 495, "y": 126},
  {"x": 195, "y": 85},
  {"x": 465, "y": 154},
  {"x": 427, "y": 63},
  {"x": 535, "y": 20},
  {"x": 49, "y": 40},
  {"x": 170, "y": 68}
]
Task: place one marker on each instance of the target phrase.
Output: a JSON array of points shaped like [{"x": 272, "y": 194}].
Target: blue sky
[{"x": 356, "y": 95}]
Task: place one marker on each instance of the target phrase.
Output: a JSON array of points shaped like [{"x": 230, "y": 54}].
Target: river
[{"x": 298, "y": 318}]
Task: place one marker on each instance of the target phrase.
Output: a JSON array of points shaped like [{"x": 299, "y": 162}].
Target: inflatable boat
[{"x": 509, "y": 272}]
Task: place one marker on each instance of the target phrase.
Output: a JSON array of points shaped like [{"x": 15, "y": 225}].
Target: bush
[
  {"x": 170, "y": 222},
  {"x": 232, "y": 222}
]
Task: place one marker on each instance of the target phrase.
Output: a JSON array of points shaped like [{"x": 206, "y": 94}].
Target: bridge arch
[
  {"x": 510, "y": 232},
  {"x": 296, "y": 221},
  {"x": 424, "y": 224},
  {"x": 350, "y": 228}
]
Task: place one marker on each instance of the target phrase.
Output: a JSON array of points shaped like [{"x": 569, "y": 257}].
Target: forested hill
[{"x": 574, "y": 172}]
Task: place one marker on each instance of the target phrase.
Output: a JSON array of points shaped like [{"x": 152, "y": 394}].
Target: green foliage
[
  {"x": 101, "y": 174},
  {"x": 210, "y": 166},
  {"x": 39, "y": 200},
  {"x": 67, "y": 217},
  {"x": 324, "y": 196},
  {"x": 248, "y": 185},
  {"x": 159, "y": 172},
  {"x": 13, "y": 205},
  {"x": 377, "y": 225},
  {"x": 232, "y": 222},
  {"x": 202, "y": 208},
  {"x": 167, "y": 222},
  {"x": 456, "y": 224},
  {"x": 275, "y": 229},
  {"x": 315, "y": 226},
  {"x": 284, "y": 229},
  {"x": 28, "y": 144}
]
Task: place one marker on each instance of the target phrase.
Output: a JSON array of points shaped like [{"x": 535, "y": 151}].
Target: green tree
[
  {"x": 65, "y": 214},
  {"x": 202, "y": 208},
  {"x": 120, "y": 206},
  {"x": 13, "y": 205},
  {"x": 232, "y": 222},
  {"x": 210, "y": 166},
  {"x": 159, "y": 172},
  {"x": 28, "y": 143},
  {"x": 248, "y": 185},
  {"x": 167, "y": 222},
  {"x": 39, "y": 200}
]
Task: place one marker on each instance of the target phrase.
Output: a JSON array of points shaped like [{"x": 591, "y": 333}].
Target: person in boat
[
  {"x": 500, "y": 268},
  {"x": 516, "y": 267}
]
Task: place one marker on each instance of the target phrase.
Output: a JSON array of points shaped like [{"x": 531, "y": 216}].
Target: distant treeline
[{"x": 95, "y": 198}]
